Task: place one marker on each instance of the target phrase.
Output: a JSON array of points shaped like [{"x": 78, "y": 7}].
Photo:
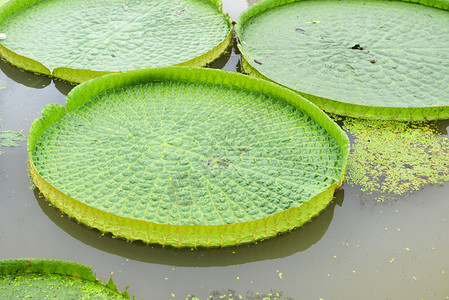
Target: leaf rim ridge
[
  {"x": 182, "y": 235},
  {"x": 74, "y": 75},
  {"x": 43, "y": 266},
  {"x": 429, "y": 113}
]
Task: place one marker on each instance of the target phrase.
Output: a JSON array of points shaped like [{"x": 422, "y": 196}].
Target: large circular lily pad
[
  {"x": 371, "y": 59},
  {"x": 187, "y": 157},
  {"x": 52, "y": 279},
  {"x": 76, "y": 40}
]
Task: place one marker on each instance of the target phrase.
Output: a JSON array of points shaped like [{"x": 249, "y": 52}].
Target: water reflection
[
  {"x": 25, "y": 78},
  {"x": 281, "y": 246}
]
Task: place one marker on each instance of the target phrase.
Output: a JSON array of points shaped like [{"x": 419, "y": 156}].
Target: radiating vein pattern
[
  {"x": 188, "y": 154},
  {"x": 402, "y": 58},
  {"x": 52, "y": 286},
  {"x": 114, "y": 35}
]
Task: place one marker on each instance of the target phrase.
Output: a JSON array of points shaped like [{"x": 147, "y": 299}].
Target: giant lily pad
[
  {"x": 187, "y": 156},
  {"x": 52, "y": 279},
  {"x": 76, "y": 40},
  {"x": 371, "y": 59}
]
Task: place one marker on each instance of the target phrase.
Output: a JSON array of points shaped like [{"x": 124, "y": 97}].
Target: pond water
[{"x": 358, "y": 248}]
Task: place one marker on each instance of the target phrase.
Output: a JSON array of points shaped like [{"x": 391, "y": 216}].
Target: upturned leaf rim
[
  {"x": 81, "y": 75},
  {"x": 49, "y": 266},
  {"x": 335, "y": 106},
  {"x": 182, "y": 235}
]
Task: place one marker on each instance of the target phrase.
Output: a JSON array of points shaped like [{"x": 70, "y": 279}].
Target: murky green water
[{"x": 357, "y": 248}]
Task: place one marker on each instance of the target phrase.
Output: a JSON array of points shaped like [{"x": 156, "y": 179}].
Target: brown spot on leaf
[
  {"x": 357, "y": 47},
  {"x": 224, "y": 162}
]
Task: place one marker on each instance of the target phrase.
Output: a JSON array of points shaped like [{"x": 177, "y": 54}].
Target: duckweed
[{"x": 396, "y": 158}]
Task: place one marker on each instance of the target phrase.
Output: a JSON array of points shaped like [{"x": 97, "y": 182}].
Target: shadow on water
[
  {"x": 443, "y": 125},
  {"x": 283, "y": 245},
  {"x": 25, "y": 78},
  {"x": 223, "y": 59},
  {"x": 63, "y": 87},
  {"x": 32, "y": 80}
]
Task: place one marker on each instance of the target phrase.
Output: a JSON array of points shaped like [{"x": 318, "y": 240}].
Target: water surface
[{"x": 357, "y": 248}]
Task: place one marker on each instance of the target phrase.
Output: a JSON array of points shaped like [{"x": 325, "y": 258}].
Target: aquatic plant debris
[
  {"x": 396, "y": 158},
  {"x": 249, "y": 295},
  {"x": 9, "y": 138}
]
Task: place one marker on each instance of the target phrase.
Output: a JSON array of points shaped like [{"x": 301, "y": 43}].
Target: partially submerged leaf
[
  {"x": 11, "y": 138},
  {"x": 187, "y": 157},
  {"x": 98, "y": 37},
  {"x": 52, "y": 279},
  {"x": 369, "y": 59}
]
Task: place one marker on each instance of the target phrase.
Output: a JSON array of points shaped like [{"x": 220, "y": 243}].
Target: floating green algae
[
  {"x": 229, "y": 294},
  {"x": 396, "y": 157}
]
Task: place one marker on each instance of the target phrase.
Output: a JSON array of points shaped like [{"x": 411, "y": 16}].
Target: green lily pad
[
  {"x": 369, "y": 59},
  {"x": 187, "y": 157},
  {"x": 76, "y": 40},
  {"x": 52, "y": 279}
]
